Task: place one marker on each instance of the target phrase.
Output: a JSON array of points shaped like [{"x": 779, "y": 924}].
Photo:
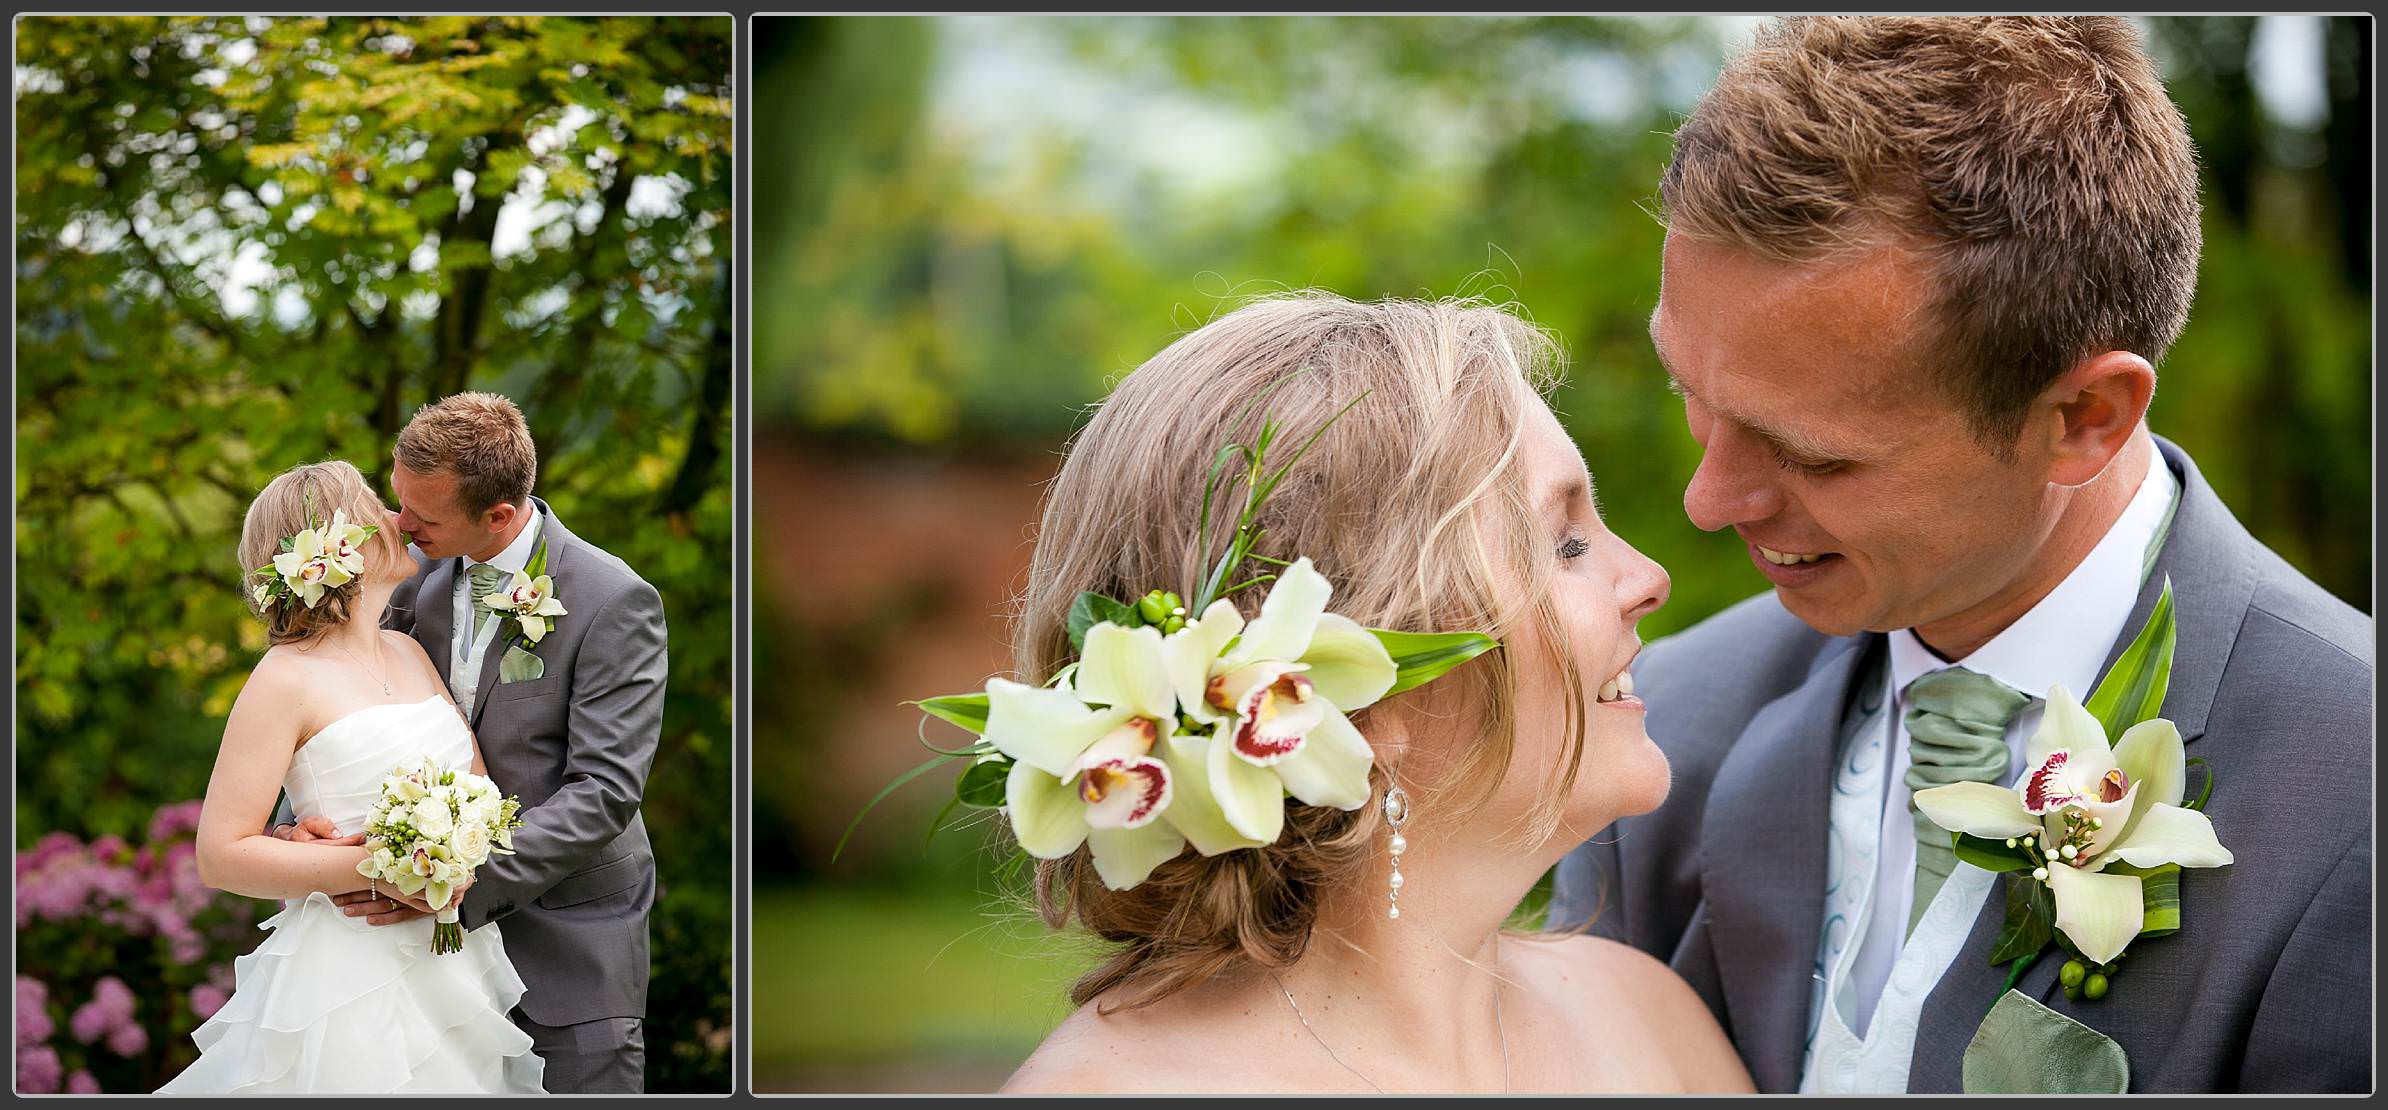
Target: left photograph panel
[{"x": 374, "y": 553}]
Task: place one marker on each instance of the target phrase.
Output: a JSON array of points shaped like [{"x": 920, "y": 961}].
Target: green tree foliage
[
  {"x": 978, "y": 257},
  {"x": 247, "y": 243},
  {"x": 972, "y": 274}
]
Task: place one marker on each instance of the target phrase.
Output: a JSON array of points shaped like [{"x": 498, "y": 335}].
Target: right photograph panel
[{"x": 1592, "y": 554}]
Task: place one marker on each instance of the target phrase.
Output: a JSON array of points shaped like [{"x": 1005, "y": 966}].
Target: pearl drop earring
[{"x": 1397, "y": 814}]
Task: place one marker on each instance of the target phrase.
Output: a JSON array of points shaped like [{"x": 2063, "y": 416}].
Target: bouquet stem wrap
[{"x": 447, "y": 935}]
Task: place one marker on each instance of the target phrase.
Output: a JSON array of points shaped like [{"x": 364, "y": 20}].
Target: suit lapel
[
  {"x": 1762, "y": 862},
  {"x": 2212, "y": 583},
  {"x": 435, "y": 615}
]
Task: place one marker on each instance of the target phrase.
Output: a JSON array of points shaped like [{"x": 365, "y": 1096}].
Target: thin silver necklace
[
  {"x": 1499, "y": 1027},
  {"x": 369, "y": 672}
]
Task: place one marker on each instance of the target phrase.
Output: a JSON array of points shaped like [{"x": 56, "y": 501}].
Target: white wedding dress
[{"x": 329, "y": 1003}]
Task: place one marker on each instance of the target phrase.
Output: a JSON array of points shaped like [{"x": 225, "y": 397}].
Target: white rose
[
  {"x": 431, "y": 817},
  {"x": 472, "y": 843}
]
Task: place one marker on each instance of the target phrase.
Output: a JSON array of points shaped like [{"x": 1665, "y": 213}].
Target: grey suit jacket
[
  {"x": 2267, "y": 987},
  {"x": 575, "y": 744}
]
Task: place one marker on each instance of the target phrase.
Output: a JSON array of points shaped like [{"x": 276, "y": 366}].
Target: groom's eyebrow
[{"x": 1791, "y": 441}]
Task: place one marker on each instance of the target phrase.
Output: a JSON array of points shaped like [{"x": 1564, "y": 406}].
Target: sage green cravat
[
  {"x": 1956, "y": 732},
  {"x": 485, "y": 579}
]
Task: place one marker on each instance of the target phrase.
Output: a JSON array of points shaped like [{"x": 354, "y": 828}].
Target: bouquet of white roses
[{"x": 429, "y": 830}]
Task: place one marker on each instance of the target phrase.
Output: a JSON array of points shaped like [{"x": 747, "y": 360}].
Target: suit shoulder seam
[{"x": 2308, "y": 633}]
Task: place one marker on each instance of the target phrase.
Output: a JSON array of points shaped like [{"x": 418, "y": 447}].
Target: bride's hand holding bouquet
[{"x": 428, "y": 832}]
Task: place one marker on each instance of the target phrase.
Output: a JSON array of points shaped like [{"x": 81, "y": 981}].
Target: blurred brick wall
[{"x": 893, "y": 576}]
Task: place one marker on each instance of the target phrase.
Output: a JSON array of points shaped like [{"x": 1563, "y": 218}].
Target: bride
[
  {"x": 327, "y": 1002},
  {"x": 1447, "y": 498}
]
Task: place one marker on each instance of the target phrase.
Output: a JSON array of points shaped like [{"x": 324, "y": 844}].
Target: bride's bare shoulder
[
  {"x": 280, "y": 674},
  {"x": 1603, "y": 965},
  {"x": 1094, "y": 1052},
  {"x": 1176, "y": 1046},
  {"x": 408, "y": 648},
  {"x": 1630, "y": 996}
]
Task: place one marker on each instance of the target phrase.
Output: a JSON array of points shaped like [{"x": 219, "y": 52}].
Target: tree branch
[
  {"x": 705, "y": 436},
  {"x": 170, "y": 274}
]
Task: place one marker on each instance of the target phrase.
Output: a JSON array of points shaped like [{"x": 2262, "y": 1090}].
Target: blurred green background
[
  {"x": 965, "y": 227},
  {"x": 247, "y": 243}
]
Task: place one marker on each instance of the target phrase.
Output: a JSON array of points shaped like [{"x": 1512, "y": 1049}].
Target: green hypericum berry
[
  {"x": 1172, "y": 602},
  {"x": 1171, "y": 626},
  {"x": 1152, "y": 607},
  {"x": 2094, "y": 987},
  {"x": 2072, "y": 974}
]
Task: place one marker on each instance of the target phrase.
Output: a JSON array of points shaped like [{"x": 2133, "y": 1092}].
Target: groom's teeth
[{"x": 1785, "y": 558}]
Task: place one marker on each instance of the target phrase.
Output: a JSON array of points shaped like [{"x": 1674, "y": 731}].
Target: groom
[
  {"x": 1917, "y": 276},
  {"x": 570, "y": 724}
]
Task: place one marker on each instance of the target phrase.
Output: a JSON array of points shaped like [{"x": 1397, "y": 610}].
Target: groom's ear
[
  {"x": 2091, "y": 412},
  {"x": 501, "y": 515}
]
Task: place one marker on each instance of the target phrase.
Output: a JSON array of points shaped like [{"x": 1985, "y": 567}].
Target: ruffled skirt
[{"x": 329, "y": 1003}]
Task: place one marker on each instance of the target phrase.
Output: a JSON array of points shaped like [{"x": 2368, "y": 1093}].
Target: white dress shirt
[
  {"x": 2063, "y": 639},
  {"x": 467, "y": 650}
]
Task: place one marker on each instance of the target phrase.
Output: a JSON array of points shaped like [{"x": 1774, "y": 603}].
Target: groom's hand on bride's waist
[{"x": 317, "y": 829}]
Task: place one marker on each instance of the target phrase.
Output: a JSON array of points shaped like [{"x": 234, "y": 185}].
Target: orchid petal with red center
[
  {"x": 1276, "y": 713},
  {"x": 1124, "y": 793},
  {"x": 2046, "y": 788}
]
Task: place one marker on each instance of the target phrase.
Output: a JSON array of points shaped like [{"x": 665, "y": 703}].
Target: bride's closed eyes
[{"x": 1573, "y": 546}]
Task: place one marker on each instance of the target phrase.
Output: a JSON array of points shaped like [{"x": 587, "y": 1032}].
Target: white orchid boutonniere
[
  {"x": 2100, "y": 825},
  {"x": 314, "y": 562},
  {"x": 1172, "y": 729},
  {"x": 530, "y": 598},
  {"x": 529, "y": 601}
]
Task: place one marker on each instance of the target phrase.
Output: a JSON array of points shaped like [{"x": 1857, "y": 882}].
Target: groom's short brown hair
[
  {"x": 2035, "y": 164},
  {"x": 480, "y": 438}
]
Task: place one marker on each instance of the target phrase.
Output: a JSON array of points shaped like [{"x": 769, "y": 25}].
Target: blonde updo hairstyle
[
  {"x": 1412, "y": 505},
  {"x": 303, "y": 497}
]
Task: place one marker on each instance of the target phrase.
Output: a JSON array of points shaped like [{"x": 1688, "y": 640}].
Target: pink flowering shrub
[{"x": 121, "y": 953}]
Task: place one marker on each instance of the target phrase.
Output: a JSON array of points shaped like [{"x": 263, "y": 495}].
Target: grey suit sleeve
[
  {"x": 2312, "y": 1031},
  {"x": 282, "y": 814},
  {"x": 614, "y": 724}
]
